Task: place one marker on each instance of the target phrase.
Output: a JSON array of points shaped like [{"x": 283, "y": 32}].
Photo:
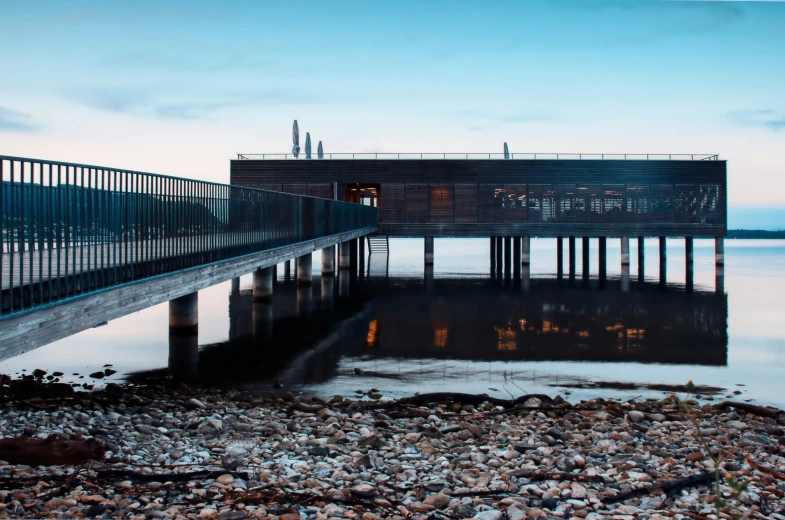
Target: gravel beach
[{"x": 171, "y": 451}]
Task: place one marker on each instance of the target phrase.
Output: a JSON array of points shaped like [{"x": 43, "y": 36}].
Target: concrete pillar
[
  {"x": 585, "y": 254},
  {"x": 625, "y": 278},
  {"x": 328, "y": 260},
  {"x": 719, "y": 279},
  {"x": 499, "y": 255},
  {"x": 304, "y": 300},
  {"x": 507, "y": 255},
  {"x": 602, "y": 267},
  {"x": 641, "y": 253},
  {"x": 663, "y": 261},
  {"x": 328, "y": 282},
  {"x": 344, "y": 255},
  {"x": 688, "y": 263},
  {"x": 525, "y": 277},
  {"x": 287, "y": 271},
  {"x": 428, "y": 250},
  {"x": 516, "y": 257},
  {"x": 353, "y": 256},
  {"x": 428, "y": 278},
  {"x": 559, "y": 257},
  {"x": 263, "y": 284},
  {"x": 184, "y": 312},
  {"x": 304, "y": 277},
  {"x": 262, "y": 320},
  {"x": 641, "y": 259},
  {"x": 493, "y": 256},
  {"x": 625, "y": 251},
  {"x": 184, "y": 354},
  {"x": 719, "y": 250},
  {"x": 526, "y": 250},
  {"x": 571, "y": 253},
  {"x": 361, "y": 249},
  {"x": 236, "y": 285}
]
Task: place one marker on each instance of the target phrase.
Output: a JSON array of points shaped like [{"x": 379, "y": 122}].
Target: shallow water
[{"x": 460, "y": 329}]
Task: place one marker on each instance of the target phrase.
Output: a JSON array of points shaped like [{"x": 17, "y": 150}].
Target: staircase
[{"x": 378, "y": 244}]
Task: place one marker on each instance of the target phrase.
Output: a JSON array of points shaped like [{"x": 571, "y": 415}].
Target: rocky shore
[{"x": 170, "y": 451}]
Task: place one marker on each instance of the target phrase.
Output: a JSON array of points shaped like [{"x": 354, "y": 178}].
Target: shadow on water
[{"x": 303, "y": 336}]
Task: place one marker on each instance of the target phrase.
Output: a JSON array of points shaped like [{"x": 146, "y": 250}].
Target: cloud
[
  {"x": 160, "y": 104},
  {"x": 110, "y": 99},
  {"x": 767, "y": 119},
  {"x": 13, "y": 121}
]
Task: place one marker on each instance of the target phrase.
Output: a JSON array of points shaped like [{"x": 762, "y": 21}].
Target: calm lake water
[{"x": 460, "y": 329}]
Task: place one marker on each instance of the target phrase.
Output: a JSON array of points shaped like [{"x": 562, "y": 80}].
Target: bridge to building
[
  {"x": 577, "y": 196},
  {"x": 84, "y": 244}
]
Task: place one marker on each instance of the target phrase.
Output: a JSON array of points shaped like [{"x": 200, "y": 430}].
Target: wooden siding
[{"x": 525, "y": 197}]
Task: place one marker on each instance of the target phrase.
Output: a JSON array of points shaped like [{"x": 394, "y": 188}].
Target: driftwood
[
  {"x": 558, "y": 476},
  {"x": 764, "y": 469},
  {"x": 302, "y": 407},
  {"x": 760, "y": 411},
  {"x": 457, "y": 397},
  {"x": 53, "y": 450},
  {"x": 116, "y": 474},
  {"x": 668, "y": 486}
]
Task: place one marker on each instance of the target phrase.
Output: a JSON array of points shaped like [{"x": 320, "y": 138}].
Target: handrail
[
  {"x": 70, "y": 229},
  {"x": 486, "y": 156}
]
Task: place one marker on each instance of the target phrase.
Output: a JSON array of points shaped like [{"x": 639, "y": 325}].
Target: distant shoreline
[{"x": 755, "y": 233}]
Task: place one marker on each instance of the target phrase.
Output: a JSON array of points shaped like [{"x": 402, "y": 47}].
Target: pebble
[{"x": 354, "y": 461}]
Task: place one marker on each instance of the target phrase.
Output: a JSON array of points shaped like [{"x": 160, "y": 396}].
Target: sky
[{"x": 180, "y": 88}]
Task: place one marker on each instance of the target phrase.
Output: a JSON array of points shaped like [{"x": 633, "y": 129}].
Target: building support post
[
  {"x": 641, "y": 259},
  {"x": 689, "y": 264},
  {"x": 571, "y": 253},
  {"x": 328, "y": 261},
  {"x": 304, "y": 277},
  {"x": 516, "y": 257},
  {"x": 663, "y": 261},
  {"x": 263, "y": 284},
  {"x": 586, "y": 268},
  {"x": 559, "y": 257},
  {"x": 499, "y": 255},
  {"x": 507, "y": 256},
  {"x": 526, "y": 250},
  {"x": 287, "y": 271},
  {"x": 236, "y": 285},
  {"x": 493, "y": 256},
  {"x": 625, "y": 251},
  {"x": 719, "y": 250},
  {"x": 602, "y": 268},
  {"x": 345, "y": 255},
  {"x": 184, "y": 312},
  {"x": 428, "y": 251}
]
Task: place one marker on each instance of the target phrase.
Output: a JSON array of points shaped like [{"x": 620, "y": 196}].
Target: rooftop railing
[{"x": 486, "y": 156}]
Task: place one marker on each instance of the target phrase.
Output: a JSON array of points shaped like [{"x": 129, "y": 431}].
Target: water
[{"x": 459, "y": 329}]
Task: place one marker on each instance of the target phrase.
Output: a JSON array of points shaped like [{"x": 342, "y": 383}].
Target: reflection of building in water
[
  {"x": 457, "y": 318},
  {"x": 464, "y": 319}
]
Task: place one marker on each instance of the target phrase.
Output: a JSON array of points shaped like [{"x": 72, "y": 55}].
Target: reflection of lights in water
[
  {"x": 371, "y": 339},
  {"x": 583, "y": 333},
  {"x": 505, "y": 338},
  {"x": 440, "y": 336}
]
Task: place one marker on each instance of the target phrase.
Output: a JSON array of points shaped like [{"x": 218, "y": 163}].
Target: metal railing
[
  {"x": 70, "y": 229},
  {"x": 486, "y": 156}
]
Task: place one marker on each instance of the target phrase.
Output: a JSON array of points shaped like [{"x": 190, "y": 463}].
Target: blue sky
[{"x": 181, "y": 87}]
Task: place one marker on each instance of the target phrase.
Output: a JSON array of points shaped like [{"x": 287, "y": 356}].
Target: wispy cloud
[
  {"x": 768, "y": 119},
  {"x": 158, "y": 103},
  {"x": 14, "y": 121}
]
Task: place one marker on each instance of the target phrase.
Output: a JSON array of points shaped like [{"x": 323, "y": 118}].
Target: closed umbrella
[
  {"x": 296, "y": 140},
  {"x": 307, "y": 145},
  {"x": 320, "y": 151},
  {"x": 506, "y": 151}
]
